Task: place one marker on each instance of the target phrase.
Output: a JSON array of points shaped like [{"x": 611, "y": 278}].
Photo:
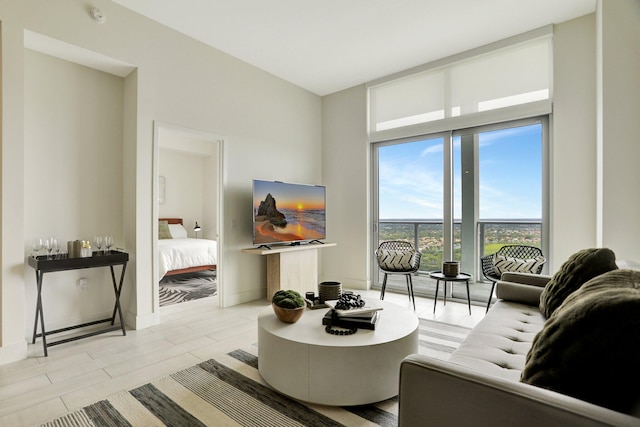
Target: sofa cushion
[
  {"x": 499, "y": 343},
  {"x": 590, "y": 347},
  {"x": 577, "y": 270}
]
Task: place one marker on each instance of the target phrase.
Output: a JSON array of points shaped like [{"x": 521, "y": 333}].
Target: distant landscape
[{"x": 431, "y": 242}]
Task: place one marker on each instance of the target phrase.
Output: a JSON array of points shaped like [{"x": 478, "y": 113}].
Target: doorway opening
[{"x": 187, "y": 211}]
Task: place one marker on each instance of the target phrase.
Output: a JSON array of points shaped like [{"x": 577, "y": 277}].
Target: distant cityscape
[{"x": 431, "y": 241}]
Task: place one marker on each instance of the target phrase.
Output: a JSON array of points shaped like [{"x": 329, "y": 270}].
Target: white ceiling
[{"x": 329, "y": 45}]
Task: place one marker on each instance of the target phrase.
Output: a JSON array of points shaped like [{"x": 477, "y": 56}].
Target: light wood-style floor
[{"x": 75, "y": 374}]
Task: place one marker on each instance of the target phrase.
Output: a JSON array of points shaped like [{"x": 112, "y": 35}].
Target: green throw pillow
[
  {"x": 163, "y": 230},
  {"x": 590, "y": 347},
  {"x": 577, "y": 270}
]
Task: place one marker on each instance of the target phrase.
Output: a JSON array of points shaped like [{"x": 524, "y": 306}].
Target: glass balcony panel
[{"x": 427, "y": 237}]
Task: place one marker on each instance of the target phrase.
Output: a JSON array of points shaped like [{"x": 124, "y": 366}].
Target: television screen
[{"x": 287, "y": 213}]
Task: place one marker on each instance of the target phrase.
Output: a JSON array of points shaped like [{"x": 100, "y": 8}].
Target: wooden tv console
[{"x": 291, "y": 267}]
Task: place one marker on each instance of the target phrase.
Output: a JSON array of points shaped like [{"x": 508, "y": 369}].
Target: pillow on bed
[
  {"x": 178, "y": 231},
  {"x": 163, "y": 230}
]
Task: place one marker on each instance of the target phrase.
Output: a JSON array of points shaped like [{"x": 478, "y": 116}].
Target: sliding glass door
[
  {"x": 461, "y": 194},
  {"x": 410, "y": 194}
]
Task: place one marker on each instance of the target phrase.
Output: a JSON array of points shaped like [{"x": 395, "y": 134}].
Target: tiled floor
[{"x": 75, "y": 374}]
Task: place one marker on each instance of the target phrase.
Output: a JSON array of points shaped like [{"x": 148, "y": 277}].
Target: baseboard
[
  {"x": 141, "y": 322},
  {"x": 243, "y": 297},
  {"x": 13, "y": 353}
]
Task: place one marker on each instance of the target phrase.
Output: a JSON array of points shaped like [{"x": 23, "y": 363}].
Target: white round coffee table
[{"x": 303, "y": 361}]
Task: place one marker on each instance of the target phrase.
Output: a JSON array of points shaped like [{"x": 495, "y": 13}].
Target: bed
[{"x": 178, "y": 254}]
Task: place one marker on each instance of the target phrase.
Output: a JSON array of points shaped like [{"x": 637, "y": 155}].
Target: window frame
[{"x": 448, "y": 171}]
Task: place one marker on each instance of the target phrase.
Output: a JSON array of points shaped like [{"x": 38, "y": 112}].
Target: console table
[
  {"x": 291, "y": 267},
  {"x": 44, "y": 264}
]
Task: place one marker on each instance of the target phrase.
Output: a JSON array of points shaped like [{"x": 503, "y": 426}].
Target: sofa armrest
[
  {"x": 524, "y": 288},
  {"x": 439, "y": 393},
  {"x": 539, "y": 280}
]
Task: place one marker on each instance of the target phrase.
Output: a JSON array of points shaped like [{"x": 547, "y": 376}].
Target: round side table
[{"x": 439, "y": 275}]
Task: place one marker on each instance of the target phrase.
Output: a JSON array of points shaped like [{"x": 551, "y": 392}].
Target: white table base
[{"x": 302, "y": 361}]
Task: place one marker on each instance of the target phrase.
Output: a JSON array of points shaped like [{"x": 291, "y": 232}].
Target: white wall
[
  {"x": 345, "y": 171},
  {"x": 272, "y": 130},
  {"x": 619, "y": 135},
  {"x": 206, "y": 147},
  {"x": 595, "y": 148},
  {"x": 72, "y": 178},
  {"x": 211, "y": 202},
  {"x": 573, "y": 144},
  {"x": 184, "y": 187}
]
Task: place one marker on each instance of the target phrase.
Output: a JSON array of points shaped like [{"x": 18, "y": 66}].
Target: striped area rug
[
  {"x": 439, "y": 340},
  {"x": 228, "y": 391}
]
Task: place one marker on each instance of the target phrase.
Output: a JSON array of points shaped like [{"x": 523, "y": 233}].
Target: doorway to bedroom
[{"x": 188, "y": 206}]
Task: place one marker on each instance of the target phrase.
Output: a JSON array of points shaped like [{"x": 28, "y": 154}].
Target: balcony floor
[{"x": 424, "y": 286}]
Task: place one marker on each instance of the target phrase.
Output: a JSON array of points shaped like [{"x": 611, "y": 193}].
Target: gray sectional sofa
[{"x": 480, "y": 384}]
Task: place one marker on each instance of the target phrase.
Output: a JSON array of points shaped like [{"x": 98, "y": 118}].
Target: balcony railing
[{"x": 427, "y": 237}]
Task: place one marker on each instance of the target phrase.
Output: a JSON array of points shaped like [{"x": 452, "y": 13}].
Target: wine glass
[
  {"x": 108, "y": 242},
  {"x": 36, "y": 246},
  {"x": 98, "y": 240},
  {"x": 48, "y": 245},
  {"x": 57, "y": 246}
]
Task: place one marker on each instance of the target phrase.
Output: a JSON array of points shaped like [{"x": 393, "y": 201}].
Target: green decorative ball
[{"x": 288, "y": 299}]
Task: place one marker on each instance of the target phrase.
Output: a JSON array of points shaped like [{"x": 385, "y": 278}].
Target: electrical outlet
[{"x": 82, "y": 284}]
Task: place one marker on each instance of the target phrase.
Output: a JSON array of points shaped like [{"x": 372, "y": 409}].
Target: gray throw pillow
[
  {"x": 577, "y": 270},
  {"x": 590, "y": 347}
]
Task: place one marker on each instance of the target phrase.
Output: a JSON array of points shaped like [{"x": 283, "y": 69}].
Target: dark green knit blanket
[{"x": 590, "y": 347}]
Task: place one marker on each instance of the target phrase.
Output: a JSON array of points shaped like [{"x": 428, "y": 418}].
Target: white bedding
[{"x": 175, "y": 254}]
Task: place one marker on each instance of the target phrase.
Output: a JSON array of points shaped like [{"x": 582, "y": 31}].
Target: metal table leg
[
  {"x": 468, "y": 296},
  {"x": 117, "y": 289},
  {"x": 39, "y": 313}
]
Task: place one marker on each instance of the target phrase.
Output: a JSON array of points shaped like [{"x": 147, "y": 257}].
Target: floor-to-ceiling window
[
  {"x": 458, "y": 159},
  {"x": 461, "y": 194},
  {"x": 410, "y": 195}
]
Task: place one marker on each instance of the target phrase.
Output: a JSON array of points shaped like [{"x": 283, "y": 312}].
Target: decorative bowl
[{"x": 288, "y": 315}]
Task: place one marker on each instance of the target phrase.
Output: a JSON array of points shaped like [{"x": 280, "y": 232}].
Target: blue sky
[{"x": 510, "y": 162}]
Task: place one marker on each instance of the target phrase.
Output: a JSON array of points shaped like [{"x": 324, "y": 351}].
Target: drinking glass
[
  {"x": 48, "y": 245},
  {"x": 36, "y": 246},
  {"x": 57, "y": 246},
  {"x": 108, "y": 242},
  {"x": 98, "y": 240}
]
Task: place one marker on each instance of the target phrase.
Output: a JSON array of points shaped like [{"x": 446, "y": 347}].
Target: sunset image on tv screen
[{"x": 286, "y": 212}]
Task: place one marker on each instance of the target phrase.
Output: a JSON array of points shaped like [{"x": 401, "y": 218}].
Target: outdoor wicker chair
[
  {"x": 398, "y": 257},
  {"x": 513, "y": 252}
]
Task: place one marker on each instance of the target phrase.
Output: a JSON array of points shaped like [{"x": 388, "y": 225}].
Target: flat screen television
[{"x": 288, "y": 213}]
